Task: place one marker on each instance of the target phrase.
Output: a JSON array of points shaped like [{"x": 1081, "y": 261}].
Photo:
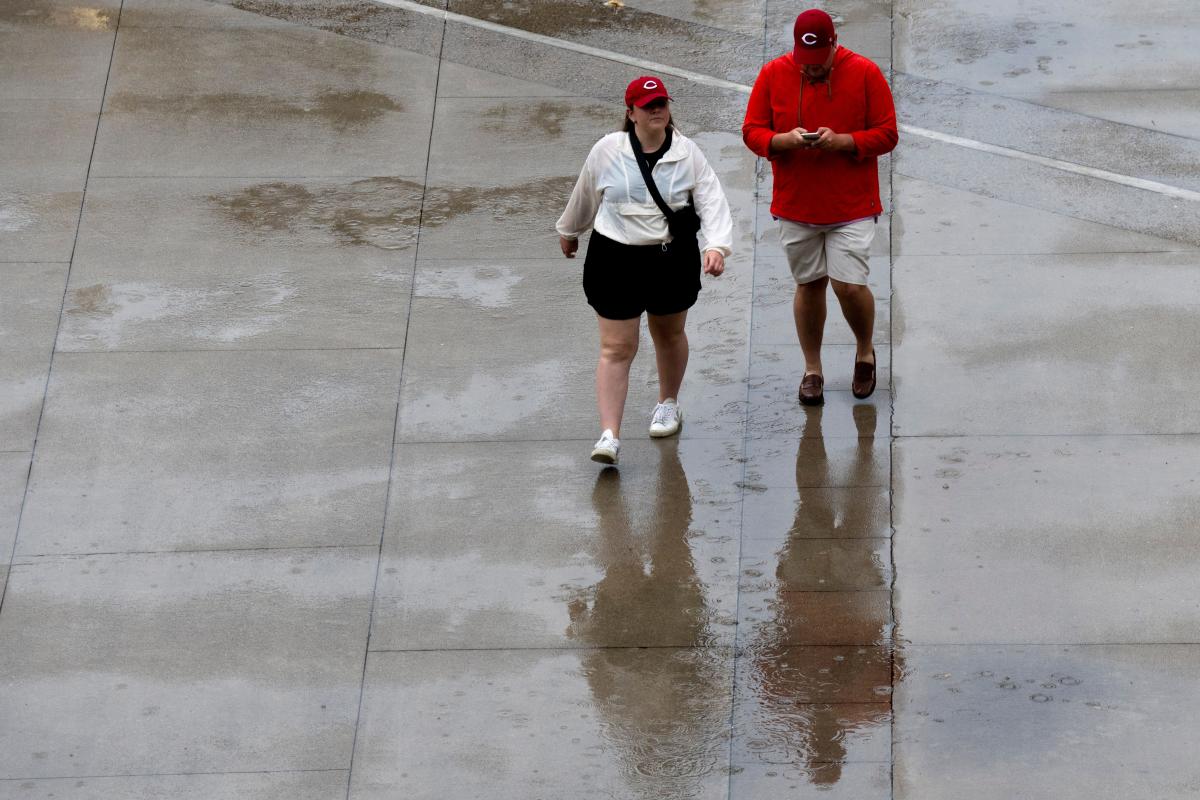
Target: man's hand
[
  {"x": 833, "y": 141},
  {"x": 828, "y": 140},
  {"x": 714, "y": 263},
  {"x": 791, "y": 140},
  {"x": 569, "y": 246}
]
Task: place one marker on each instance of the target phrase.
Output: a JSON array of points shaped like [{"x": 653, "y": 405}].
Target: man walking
[{"x": 823, "y": 115}]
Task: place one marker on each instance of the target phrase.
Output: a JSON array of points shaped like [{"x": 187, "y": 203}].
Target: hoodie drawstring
[{"x": 828, "y": 91}]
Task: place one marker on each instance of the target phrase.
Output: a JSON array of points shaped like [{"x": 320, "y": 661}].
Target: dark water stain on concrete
[
  {"x": 41, "y": 14},
  {"x": 343, "y": 111},
  {"x": 91, "y": 300},
  {"x": 268, "y": 206},
  {"x": 381, "y": 212},
  {"x": 354, "y": 108},
  {"x": 543, "y": 196},
  {"x": 348, "y": 13},
  {"x": 546, "y": 116}
]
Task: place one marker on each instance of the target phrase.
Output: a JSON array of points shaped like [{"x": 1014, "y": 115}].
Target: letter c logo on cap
[
  {"x": 650, "y": 85},
  {"x": 809, "y": 39}
]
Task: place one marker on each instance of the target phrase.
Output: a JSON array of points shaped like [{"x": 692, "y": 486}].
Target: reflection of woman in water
[
  {"x": 661, "y": 692},
  {"x": 791, "y": 683}
]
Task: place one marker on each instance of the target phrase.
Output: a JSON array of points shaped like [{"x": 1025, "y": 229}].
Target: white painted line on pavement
[
  {"x": 708, "y": 80},
  {"x": 561, "y": 44},
  {"x": 1054, "y": 163}
]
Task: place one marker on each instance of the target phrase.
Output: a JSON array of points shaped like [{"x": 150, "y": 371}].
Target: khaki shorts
[{"x": 839, "y": 251}]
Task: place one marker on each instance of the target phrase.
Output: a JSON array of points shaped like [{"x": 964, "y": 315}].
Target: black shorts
[{"x": 623, "y": 280}]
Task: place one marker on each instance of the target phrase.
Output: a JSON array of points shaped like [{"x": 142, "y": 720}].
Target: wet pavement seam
[
  {"x": 936, "y": 645},
  {"x": 1056, "y": 254},
  {"x": 836, "y": 591},
  {"x": 542, "y": 649},
  {"x": 178, "y": 350},
  {"x": 1023, "y": 435},
  {"x": 1141, "y": 90},
  {"x": 395, "y": 422},
  {"x": 173, "y": 774},
  {"x": 713, "y": 437},
  {"x": 743, "y": 484},
  {"x": 63, "y": 303},
  {"x": 892, "y": 429},
  {"x": 213, "y": 177},
  {"x": 42, "y": 557}
]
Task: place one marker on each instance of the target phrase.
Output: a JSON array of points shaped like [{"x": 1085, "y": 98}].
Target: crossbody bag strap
[{"x": 645, "y": 168}]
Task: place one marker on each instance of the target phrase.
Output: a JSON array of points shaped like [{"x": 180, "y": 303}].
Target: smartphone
[{"x": 810, "y": 137}]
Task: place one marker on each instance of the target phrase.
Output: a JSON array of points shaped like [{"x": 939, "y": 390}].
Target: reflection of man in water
[
  {"x": 792, "y": 682},
  {"x": 664, "y": 705}
]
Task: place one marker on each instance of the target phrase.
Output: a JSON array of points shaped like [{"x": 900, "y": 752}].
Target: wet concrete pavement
[{"x": 295, "y": 402}]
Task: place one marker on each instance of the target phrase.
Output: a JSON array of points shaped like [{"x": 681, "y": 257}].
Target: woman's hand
[
  {"x": 714, "y": 262},
  {"x": 569, "y": 246}
]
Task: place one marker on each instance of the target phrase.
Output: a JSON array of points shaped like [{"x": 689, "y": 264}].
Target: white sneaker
[
  {"x": 607, "y": 448},
  {"x": 666, "y": 420}
]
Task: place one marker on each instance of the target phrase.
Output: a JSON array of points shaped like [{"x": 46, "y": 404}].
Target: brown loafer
[
  {"x": 864, "y": 378},
  {"x": 812, "y": 390}
]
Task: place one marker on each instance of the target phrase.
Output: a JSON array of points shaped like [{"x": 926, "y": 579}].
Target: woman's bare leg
[
  {"x": 618, "y": 346},
  {"x": 670, "y": 351}
]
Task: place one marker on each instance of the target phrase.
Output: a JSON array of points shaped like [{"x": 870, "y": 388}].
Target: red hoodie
[{"x": 823, "y": 187}]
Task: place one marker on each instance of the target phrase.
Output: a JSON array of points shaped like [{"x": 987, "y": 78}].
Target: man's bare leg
[
  {"x": 809, "y": 310},
  {"x": 858, "y": 307}
]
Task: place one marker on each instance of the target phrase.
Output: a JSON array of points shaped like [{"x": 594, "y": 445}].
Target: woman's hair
[{"x": 627, "y": 124}]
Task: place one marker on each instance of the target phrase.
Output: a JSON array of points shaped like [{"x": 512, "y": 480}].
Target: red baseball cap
[
  {"x": 644, "y": 90},
  {"x": 815, "y": 37}
]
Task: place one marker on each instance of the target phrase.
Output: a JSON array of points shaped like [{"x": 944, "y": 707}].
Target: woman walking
[{"x": 639, "y": 260}]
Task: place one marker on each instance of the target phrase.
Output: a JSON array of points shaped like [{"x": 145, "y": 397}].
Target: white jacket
[{"x": 611, "y": 196}]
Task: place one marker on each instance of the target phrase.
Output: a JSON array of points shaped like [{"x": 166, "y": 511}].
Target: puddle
[
  {"x": 817, "y": 708},
  {"x": 91, "y": 299},
  {"x": 15, "y": 213},
  {"x": 546, "y": 116},
  {"x": 665, "y": 709},
  {"x": 543, "y": 196},
  {"x": 348, "y": 12},
  {"x": 19, "y": 212},
  {"x": 226, "y": 313},
  {"x": 650, "y": 591},
  {"x": 483, "y": 286},
  {"x": 381, "y": 212},
  {"x": 343, "y": 111}
]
